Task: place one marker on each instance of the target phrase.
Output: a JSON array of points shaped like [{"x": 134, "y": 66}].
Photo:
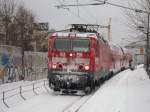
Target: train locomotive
[{"x": 80, "y": 59}]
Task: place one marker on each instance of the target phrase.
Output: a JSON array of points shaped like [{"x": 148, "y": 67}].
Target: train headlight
[
  {"x": 71, "y": 54},
  {"x": 54, "y": 66},
  {"x": 86, "y": 67}
]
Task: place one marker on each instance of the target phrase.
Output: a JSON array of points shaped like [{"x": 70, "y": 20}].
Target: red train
[{"x": 82, "y": 60}]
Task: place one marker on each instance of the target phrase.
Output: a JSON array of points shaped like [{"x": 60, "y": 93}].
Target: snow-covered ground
[{"x": 128, "y": 91}]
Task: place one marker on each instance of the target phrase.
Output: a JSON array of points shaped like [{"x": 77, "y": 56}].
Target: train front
[{"x": 70, "y": 62}]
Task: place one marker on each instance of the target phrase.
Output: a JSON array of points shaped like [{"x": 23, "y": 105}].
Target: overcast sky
[{"x": 46, "y": 11}]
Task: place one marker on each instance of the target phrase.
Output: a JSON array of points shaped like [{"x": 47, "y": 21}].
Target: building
[{"x": 139, "y": 52}]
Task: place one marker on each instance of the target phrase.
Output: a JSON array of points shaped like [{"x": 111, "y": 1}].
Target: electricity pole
[{"x": 147, "y": 47}]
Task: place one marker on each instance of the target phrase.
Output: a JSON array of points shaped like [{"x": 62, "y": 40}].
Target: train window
[
  {"x": 62, "y": 44},
  {"x": 81, "y": 45}
]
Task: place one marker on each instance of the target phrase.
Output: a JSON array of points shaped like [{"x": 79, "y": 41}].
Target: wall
[
  {"x": 35, "y": 65},
  {"x": 10, "y": 60},
  {"x": 11, "y": 64},
  {"x": 138, "y": 57}
]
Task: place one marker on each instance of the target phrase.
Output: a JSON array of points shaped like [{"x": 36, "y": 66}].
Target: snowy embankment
[
  {"x": 13, "y": 97},
  {"x": 128, "y": 91}
]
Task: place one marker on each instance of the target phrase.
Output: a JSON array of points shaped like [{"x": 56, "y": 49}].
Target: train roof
[
  {"x": 115, "y": 47},
  {"x": 75, "y": 34},
  {"x": 119, "y": 48},
  {"x": 127, "y": 50},
  {"x": 112, "y": 45}
]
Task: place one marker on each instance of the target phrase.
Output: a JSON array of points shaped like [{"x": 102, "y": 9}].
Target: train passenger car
[
  {"x": 119, "y": 56},
  {"x": 81, "y": 61}
]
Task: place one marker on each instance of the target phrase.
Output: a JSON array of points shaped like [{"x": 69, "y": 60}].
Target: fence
[
  {"x": 35, "y": 65},
  {"x": 22, "y": 89},
  {"x": 139, "y": 59},
  {"x": 11, "y": 64}
]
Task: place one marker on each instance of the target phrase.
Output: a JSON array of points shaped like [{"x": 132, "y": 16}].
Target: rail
[{"x": 20, "y": 90}]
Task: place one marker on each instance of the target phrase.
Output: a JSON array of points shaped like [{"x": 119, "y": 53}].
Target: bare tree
[
  {"x": 7, "y": 11},
  {"x": 24, "y": 20},
  {"x": 137, "y": 21},
  {"x": 17, "y": 25}
]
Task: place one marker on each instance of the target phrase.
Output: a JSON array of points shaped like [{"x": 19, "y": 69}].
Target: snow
[
  {"x": 45, "y": 103},
  {"x": 9, "y": 86},
  {"x": 128, "y": 91}
]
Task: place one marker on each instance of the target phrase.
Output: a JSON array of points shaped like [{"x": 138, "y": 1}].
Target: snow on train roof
[
  {"x": 126, "y": 50},
  {"x": 118, "y": 47},
  {"x": 74, "y": 34},
  {"x": 114, "y": 46}
]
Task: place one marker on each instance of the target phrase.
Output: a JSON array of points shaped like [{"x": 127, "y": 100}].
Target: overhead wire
[
  {"x": 121, "y": 6},
  {"x": 90, "y": 15},
  {"x": 102, "y": 2},
  {"x": 58, "y": 31},
  {"x": 83, "y": 19},
  {"x": 74, "y": 14}
]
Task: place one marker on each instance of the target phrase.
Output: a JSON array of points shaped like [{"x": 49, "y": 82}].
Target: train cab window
[
  {"x": 62, "y": 44},
  {"x": 81, "y": 45}
]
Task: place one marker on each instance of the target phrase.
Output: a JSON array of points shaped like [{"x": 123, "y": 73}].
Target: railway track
[
  {"x": 70, "y": 105},
  {"x": 77, "y": 104}
]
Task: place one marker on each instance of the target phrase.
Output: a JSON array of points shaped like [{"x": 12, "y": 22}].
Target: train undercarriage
[{"x": 70, "y": 83}]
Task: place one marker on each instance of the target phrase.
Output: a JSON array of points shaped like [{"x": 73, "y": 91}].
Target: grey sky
[{"x": 60, "y": 18}]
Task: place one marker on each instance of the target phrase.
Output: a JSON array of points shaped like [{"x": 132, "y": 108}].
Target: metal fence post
[
  {"x": 34, "y": 89},
  {"x": 45, "y": 85},
  {"x": 21, "y": 93},
  {"x": 4, "y": 100},
  {"x": 147, "y": 46}
]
